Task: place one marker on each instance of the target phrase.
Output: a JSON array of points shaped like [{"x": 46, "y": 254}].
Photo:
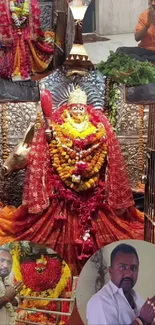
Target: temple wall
[
  {"x": 118, "y": 17},
  {"x": 46, "y": 17},
  {"x": 128, "y": 130}
]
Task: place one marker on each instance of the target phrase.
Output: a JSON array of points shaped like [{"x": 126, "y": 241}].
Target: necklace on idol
[{"x": 19, "y": 11}]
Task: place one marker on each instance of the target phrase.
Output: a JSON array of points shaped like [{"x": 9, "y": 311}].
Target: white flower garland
[{"x": 24, "y": 11}]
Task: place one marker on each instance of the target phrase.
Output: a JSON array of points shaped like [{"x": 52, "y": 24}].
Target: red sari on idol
[
  {"x": 25, "y": 48},
  {"x": 75, "y": 221}
]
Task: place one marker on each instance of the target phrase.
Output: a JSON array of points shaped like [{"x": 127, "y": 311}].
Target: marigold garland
[
  {"x": 78, "y": 154},
  {"x": 38, "y": 318}
]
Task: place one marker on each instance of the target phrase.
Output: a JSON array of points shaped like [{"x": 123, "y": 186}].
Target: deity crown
[{"x": 77, "y": 97}]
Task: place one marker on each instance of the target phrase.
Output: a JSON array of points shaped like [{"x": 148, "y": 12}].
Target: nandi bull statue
[{"x": 17, "y": 160}]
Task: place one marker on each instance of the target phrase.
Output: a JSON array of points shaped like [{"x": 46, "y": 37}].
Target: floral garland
[
  {"x": 19, "y": 12},
  {"x": 36, "y": 318},
  {"x": 51, "y": 293},
  {"x": 77, "y": 154},
  {"x": 41, "y": 278}
]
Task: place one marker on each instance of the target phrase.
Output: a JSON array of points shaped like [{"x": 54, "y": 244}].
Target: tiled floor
[{"x": 100, "y": 50}]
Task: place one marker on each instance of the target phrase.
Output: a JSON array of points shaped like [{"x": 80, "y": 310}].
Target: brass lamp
[{"x": 78, "y": 60}]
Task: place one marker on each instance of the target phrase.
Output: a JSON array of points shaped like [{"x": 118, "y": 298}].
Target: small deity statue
[
  {"x": 77, "y": 197},
  {"x": 25, "y": 48},
  {"x": 44, "y": 276}
]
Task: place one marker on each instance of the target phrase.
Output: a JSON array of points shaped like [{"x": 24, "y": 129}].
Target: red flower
[
  {"x": 81, "y": 166},
  {"x": 79, "y": 144},
  {"x": 47, "y": 279}
]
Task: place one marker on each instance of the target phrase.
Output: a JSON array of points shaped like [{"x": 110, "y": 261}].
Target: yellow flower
[{"x": 66, "y": 157}]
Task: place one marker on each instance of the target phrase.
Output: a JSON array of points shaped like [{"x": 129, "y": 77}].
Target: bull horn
[{"x": 29, "y": 135}]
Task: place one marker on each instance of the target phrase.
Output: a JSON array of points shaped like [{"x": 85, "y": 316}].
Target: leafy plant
[{"x": 123, "y": 69}]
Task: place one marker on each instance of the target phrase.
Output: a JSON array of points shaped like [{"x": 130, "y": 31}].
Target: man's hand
[
  {"x": 147, "y": 312},
  {"x": 11, "y": 292},
  {"x": 151, "y": 17}
]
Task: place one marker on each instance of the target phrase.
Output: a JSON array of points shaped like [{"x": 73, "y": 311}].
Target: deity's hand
[{"x": 48, "y": 133}]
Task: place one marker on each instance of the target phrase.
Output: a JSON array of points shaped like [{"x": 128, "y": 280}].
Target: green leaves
[{"x": 123, "y": 69}]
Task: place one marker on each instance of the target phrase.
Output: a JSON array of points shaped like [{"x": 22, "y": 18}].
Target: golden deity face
[{"x": 78, "y": 112}]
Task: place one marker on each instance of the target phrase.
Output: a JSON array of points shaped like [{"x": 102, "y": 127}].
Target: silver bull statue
[{"x": 17, "y": 159}]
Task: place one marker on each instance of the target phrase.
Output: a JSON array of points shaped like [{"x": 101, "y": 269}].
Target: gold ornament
[
  {"x": 141, "y": 147},
  {"x": 38, "y": 119},
  {"x": 41, "y": 264}
]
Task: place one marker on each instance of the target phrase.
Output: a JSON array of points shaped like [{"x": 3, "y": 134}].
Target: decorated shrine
[
  {"x": 76, "y": 152},
  {"x": 62, "y": 165},
  {"x": 48, "y": 293}
]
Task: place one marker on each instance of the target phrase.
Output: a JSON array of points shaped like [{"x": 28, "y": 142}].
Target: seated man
[{"x": 145, "y": 34}]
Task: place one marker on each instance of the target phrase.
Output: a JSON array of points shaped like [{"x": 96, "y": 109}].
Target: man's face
[
  {"x": 124, "y": 271},
  {"x": 5, "y": 263},
  {"x": 153, "y": 4}
]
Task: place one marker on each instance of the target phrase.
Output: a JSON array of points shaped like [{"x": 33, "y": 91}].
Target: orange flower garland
[{"x": 78, "y": 168}]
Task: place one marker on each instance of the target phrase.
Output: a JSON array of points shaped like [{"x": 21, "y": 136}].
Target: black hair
[{"x": 123, "y": 248}]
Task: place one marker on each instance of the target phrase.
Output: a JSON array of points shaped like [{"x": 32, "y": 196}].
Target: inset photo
[
  {"x": 117, "y": 285},
  {"x": 32, "y": 38},
  {"x": 36, "y": 285}
]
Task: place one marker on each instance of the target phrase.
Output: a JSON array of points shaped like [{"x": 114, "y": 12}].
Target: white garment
[
  {"x": 7, "y": 314},
  {"x": 109, "y": 306}
]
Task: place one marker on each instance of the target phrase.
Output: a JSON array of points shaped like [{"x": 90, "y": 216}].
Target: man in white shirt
[
  {"x": 117, "y": 303},
  {"x": 8, "y": 293}
]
